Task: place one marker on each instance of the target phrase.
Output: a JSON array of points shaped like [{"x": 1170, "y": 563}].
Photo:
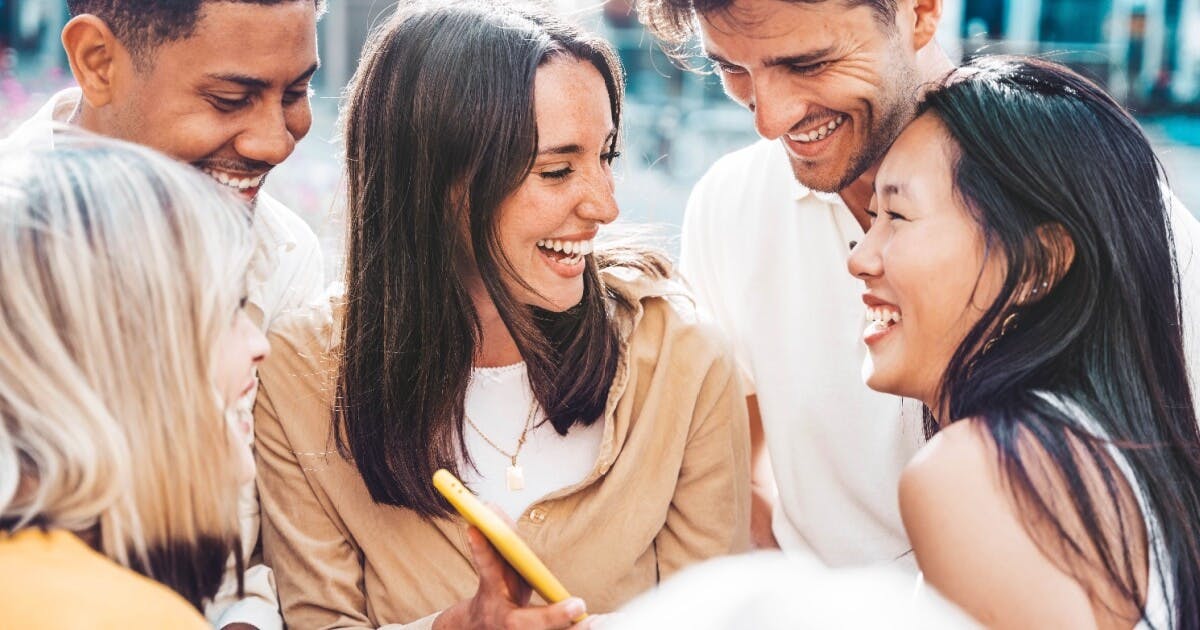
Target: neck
[
  {"x": 88, "y": 118},
  {"x": 496, "y": 348}
]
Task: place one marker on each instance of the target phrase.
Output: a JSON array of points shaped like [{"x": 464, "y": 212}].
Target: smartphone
[{"x": 502, "y": 537}]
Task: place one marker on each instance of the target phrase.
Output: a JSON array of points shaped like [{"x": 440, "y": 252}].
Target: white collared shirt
[{"x": 285, "y": 272}]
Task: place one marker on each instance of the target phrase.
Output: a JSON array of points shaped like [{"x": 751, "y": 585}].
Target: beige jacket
[{"x": 669, "y": 488}]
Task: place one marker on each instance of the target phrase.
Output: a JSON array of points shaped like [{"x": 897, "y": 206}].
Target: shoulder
[
  {"x": 661, "y": 319},
  {"x": 45, "y": 570},
  {"x": 737, "y": 165},
  {"x": 304, "y": 341},
  {"x": 760, "y": 168},
  {"x": 958, "y": 466}
]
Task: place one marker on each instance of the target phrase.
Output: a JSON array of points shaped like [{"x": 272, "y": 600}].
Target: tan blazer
[{"x": 669, "y": 488}]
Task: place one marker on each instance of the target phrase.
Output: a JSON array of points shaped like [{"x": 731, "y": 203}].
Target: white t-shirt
[
  {"x": 767, "y": 260},
  {"x": 498, "y": 402}
]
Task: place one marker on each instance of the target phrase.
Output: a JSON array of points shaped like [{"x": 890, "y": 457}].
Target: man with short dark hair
[
  {"x": 768, "y": 230},
  {"x": 222, "y": 85}
]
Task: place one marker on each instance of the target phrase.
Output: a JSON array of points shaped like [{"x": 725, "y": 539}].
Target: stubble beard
[{"x": 897, "y": 109}]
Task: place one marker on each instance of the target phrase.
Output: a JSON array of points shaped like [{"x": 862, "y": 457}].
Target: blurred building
[{"x": 1146, "y": 51}]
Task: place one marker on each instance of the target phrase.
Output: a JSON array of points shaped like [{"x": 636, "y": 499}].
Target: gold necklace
[{"x": 515, "y": 476}]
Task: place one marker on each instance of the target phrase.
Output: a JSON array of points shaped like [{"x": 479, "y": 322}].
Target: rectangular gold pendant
[{"x": 516, "y": 478}]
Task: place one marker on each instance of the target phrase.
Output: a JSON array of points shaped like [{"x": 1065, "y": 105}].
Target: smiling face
[
  {"x": 240, "y": 349},
  {"x": 830, "y": 82},
  {"x": 232, "y": 99},
  {"x": 928, "y": 280},
  {"x": 547, "y": 225}
]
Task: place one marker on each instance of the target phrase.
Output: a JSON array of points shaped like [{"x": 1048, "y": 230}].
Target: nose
[
  {"x": 866, "y": 260},
  {"x": 776, "y": 109},
  {"x": 271, "y": 135},
  {"x": 256, "y": 342},
  {"x": 599, "y": 202}
]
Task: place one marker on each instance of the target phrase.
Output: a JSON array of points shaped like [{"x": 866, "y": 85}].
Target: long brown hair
[{"x": 439, "y": 129}]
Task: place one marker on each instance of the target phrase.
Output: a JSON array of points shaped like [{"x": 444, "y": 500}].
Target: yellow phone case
[{"x": 506, "y": 541}]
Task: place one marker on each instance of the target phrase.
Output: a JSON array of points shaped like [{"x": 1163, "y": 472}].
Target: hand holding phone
[{"x": 503, "y": 539}]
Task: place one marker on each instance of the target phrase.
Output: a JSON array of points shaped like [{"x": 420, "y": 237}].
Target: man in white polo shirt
[
  {"x": 224, "y": 86},
  {"x": 768, "y": 229}
]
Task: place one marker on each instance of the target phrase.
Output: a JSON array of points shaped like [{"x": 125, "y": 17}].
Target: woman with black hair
[
  {"x": 484, "y": 331},
  {"x": 1022, "y": 283}
]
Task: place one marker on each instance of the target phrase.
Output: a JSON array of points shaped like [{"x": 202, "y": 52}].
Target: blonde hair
[{"x": 119, "y": 270}]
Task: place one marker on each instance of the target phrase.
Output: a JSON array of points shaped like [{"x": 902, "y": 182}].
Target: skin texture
[
  {"x": 973, "y": 539},
  {"x": 569, "y": 193},
  {"x": 232, "y": 98}
]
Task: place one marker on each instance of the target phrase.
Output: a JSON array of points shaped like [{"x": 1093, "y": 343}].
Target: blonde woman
[{"x": 122, "y": 343}]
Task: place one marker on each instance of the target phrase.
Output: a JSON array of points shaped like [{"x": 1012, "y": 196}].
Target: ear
[
  {"x": 924, "y": 16},
  {"x": 1059, "y": 249},
  {"x": 93, "y": 52}
]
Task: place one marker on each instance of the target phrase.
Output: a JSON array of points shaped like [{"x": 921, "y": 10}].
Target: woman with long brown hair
[{"x": 483, "y": 331}]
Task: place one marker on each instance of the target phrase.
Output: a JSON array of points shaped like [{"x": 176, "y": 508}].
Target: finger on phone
[
  {"x": 495, "y": 574},
  {"x": 557, "y": 616}
]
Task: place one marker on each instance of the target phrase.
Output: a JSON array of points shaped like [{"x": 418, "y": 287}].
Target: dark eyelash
[
  {"x": 611, "y": 156},
  {"x": 231, "y": 104},
  {"x": 559, "y": 174}
]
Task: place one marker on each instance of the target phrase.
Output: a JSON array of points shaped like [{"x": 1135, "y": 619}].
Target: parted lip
[
  {"x": 871, "y": 300},
  {"x": 578, "y": 236}
]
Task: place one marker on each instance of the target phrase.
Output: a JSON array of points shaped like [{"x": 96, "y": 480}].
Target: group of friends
[{"x": 941, "y": 319}]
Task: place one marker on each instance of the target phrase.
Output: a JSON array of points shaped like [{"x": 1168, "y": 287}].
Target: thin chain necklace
[{"x": 515, "y": 476}]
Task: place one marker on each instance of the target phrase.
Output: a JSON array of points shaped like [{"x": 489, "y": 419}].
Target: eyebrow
[
  {"x": 257, "y": 83},
  {"x": 802, "y": 59},
  {"x": 889, "y": 190},
  {"x": 572, "y": 149}
]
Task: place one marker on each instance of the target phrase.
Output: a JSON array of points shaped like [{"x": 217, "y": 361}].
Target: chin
[
  {"x": 562, "y": 302},
  {"x": 879, "y": 378}
]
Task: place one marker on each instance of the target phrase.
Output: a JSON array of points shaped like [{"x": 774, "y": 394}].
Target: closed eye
[
  {"x": 561, "y": 173},
  {"x": 728, "y": 68},
  {"x": 809, "y": 69},
  {"x": 230, "y": 104}
]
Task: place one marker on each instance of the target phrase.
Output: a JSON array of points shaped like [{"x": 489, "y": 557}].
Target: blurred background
[{"x": 1146, "y": 52}]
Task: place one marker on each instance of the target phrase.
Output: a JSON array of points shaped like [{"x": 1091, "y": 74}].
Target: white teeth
[
  {"x": 820, "y": 132},
  {"x": 573, "y": 249},
  {"x": 242, "y": 183},
  {"x": 883, "y": 315}
]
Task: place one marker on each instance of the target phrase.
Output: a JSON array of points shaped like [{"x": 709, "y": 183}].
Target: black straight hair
[
  {"x": 440, "y": 128},
  {"x": 1043, "y": 153}
]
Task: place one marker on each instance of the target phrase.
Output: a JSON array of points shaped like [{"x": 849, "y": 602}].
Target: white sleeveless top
[
  {"x": 1160, "y": 589},
  {"x": 498, "y": 402}
]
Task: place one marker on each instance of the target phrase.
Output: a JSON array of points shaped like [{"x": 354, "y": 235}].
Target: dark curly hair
[{"x": 143, "y": 25}]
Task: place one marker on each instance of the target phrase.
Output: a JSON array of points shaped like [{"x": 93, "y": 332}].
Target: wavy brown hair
[{"x": 439, "y": 129}]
